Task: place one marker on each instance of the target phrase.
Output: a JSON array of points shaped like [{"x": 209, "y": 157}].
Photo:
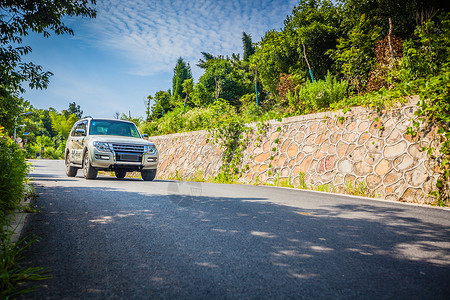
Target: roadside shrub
[{"x": 13, "y": 172}]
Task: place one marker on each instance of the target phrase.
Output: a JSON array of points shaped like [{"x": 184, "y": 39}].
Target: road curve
[{"x": 130, "y": 239}]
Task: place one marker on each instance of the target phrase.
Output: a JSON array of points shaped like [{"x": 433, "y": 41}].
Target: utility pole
[
  {"x": 307, "y": 62},
  {"x": 256, "y": 86}
]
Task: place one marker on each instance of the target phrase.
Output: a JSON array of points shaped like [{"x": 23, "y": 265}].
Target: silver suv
[{"x": 109, "y": 145}]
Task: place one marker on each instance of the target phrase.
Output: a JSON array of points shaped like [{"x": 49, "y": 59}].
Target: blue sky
[{"x": 128, "y": 52}]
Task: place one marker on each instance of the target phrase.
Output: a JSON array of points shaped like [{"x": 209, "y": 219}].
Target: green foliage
[
  {"x": 13, "y": 172},
  {"x": 231, "y": 139},
  {"x": 13, "y": 276},
  {"x": 62, "y": 124},
  {"x": 354, "y": 54},
  {"x": 317, "y": 96},
  {"x": 357, "y": 189},
  {"x": 232, "y": 85}
]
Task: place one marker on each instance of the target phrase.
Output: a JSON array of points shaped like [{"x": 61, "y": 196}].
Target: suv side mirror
[
  {"x": 80, "y": 131},
  {"x": 145, "y": 135}
]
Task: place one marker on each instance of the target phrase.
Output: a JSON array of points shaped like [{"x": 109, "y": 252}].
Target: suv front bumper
[{"x": 112, "y": 160}]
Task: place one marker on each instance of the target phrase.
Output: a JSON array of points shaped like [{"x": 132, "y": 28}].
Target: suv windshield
[{"x": 110, "y": 127}]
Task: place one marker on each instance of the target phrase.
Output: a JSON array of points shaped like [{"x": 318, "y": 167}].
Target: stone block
[
  {"x": 274, "y": 136},
  {"x": 350, "y": 148},
  {"x": 305, "y": 164},
  {"x": 375, "y": 127},
  {"x": 392, "y": 177},
  {"x": 319, "y": 154},
  {"x": 394, "y": 137},
  {"x": 374, "y": 144},
  {"x": 339, "y": 179},
  {"x": 299, "y": 158},
  {"x": 262, "y": 168},
  {"x": 285, "y": 172},
  {"x": 395, "y": 150},
  {"x": 345, "y": 166},
  {"x": 416, "y": 153},
  {"x": 416, "y": 177},
  {"x": 285, "y": 145},
  {"x": 363, "y": 138},
  {"x": 363, "y": 126},
  {"x": 383, "y": 167},
  {"x": 320, "y": 138},
  {"x": 309, "y": 149},
  {"x": 327, "y": 164},
  {"x": 412, "y": 195},
  {"x": 310, "y": 139},
  {"x": 292, "y": 151},
  {"x": 372, "y": 158},
  {"x": 352, "y": 126},
  {"x": 357, "y": 154},
  {"x": 373, "y": 181},
  {"x": 299, "y": 137},
  {"x": 262, "y": 157},
  {"x": 349, "y": 137},
  {"x": 327, "y": 177},
  {"x": 404, "y": 162},
  {"x": 362, "y": 169},
  {"x": 281, "y": 160},
  {"x": 313, "y": 126},
  {"x": 341, "y": 148}
]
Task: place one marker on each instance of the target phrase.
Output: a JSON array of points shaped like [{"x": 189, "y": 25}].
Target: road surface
[{"x": 130, "y": 239}]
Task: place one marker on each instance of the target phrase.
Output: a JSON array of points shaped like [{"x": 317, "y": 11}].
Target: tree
[
  {"x": 181, "y": 72},
  {"x": 232, "y": 84},
  {"x": 148, "y": 108},
  {"x": 249, "y": 49},
  {"x": 19, "y": 18},
  {"x": 162, "y": 104},
  {"x": 62, "y": 124},
  {"x": 74, "y": 109}
]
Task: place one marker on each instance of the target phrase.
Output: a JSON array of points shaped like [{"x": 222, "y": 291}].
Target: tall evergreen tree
[
  {"x": 249, "y": 49},
  {"x": 181, "y": 72}
]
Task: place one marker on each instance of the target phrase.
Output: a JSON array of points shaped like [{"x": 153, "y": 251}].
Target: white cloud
[{"x": 151, "y": 35}]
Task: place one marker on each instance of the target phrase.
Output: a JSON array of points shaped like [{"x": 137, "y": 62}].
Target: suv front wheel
[
  {"x": 70, "y": 171},
  {"x": 148, "y": 175},
  {"x": 88, "y": 171}
]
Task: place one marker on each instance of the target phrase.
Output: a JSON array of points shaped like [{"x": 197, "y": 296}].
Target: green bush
[
  {"x": 13, "y": 172},
  {"x": 317, "y": 96}
]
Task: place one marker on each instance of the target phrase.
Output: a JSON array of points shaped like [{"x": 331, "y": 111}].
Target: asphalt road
[{"x": 130, "y": 239}]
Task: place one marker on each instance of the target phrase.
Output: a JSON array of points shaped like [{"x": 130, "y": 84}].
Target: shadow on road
[{"x": 103, "y": 242}]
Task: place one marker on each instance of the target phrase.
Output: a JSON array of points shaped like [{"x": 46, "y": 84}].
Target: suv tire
[
  {"x": 70, "y": 171},
  {"x": 148, "y": 175},
  {"x": 120, "y": 174},
  {"x": 88, "y": 171}
]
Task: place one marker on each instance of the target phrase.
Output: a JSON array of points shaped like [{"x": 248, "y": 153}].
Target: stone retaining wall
[{"x": 329, "y": 150}]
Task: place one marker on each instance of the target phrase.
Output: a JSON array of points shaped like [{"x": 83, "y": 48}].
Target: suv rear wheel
[
  {"x": 148, "y": 175},
  {"x": 88, "y": 171},
  {"x": 70, "y": 171}
]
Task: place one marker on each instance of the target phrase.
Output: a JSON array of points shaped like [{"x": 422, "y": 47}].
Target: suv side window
[{"x": 81, "y": 125}]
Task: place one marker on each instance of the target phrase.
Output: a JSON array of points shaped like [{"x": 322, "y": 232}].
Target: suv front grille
[
  {"x": 129, "y": 157},
  {"x": 128, "y": 148}
]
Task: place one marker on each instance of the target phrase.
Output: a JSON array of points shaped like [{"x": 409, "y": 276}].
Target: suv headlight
[
  {"x": 101, "y": 146},
  {"x": 150, "y": 149}
]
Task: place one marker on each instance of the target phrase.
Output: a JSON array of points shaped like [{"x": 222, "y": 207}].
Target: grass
[
  {"x": 14, "y": 277},
  {"x": 358, "y": 189}
]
